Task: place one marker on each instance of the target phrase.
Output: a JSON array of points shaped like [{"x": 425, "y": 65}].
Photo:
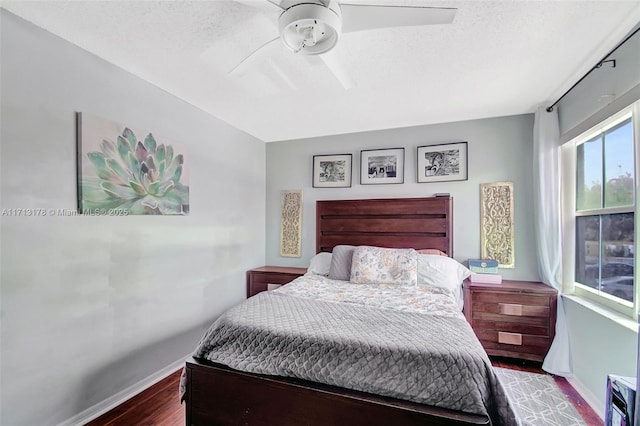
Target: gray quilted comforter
[{"x": 416, "y": 355}]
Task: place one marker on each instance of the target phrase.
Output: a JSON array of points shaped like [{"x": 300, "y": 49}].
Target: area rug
[{"x": 537, "y": 400}]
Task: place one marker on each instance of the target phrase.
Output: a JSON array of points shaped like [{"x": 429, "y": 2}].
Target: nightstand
[
  {"x": 270, "y": 277},
  {"x": 514, "y": 319}
]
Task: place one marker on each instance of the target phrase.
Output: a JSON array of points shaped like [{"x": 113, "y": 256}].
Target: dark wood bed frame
[
  {"x": 389, "y": 222},
  {"x": 219, "y": 395}
]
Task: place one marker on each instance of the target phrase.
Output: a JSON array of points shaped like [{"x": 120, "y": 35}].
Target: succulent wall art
[{"x": 125, "y": 171}]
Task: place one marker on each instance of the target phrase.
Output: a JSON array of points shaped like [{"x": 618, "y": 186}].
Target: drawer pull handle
[
  {"x": 510, "y": 338},
  {"x": 510, "y": 309},
  {"x": 273, "y": 286}
]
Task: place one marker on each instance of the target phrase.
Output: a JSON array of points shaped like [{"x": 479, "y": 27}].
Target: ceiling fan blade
[
  {"x": 275, "y": 3},
  {"x": 256, "y": 3},
  {"x": 336, "y": 66},
  {"x": 252, "y": 55},
  {"x": 357, "y": 17}
]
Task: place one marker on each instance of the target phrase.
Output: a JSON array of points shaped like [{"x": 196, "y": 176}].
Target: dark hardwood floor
[{"x": 159, "y": 405}]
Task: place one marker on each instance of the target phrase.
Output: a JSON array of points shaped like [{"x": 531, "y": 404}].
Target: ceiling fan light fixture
[{"x": 310, "y": 29}]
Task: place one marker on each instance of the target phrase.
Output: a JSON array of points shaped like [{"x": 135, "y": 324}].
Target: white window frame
[{"x": 569, "y": 165}]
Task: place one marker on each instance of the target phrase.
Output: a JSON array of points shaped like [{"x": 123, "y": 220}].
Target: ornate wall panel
[
  {"x": 497, "y": 227},
  {"x": 291, "y": 226}
]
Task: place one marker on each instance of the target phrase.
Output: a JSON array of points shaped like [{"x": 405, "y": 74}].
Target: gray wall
[
  {"x": 500, "y": 149},
  {"x": 599, "y": 345},
  {"x": 92, "y": 305}
]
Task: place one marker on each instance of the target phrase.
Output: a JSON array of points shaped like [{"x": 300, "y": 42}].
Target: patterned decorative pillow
[
  {"x": 379, "y": 265},
  {"x": 340, "y": 268}
]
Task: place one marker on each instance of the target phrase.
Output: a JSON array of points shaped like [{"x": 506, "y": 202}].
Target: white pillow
[
  {"x": 320, "y": 264},
  {"x": 444, "y": 272}
]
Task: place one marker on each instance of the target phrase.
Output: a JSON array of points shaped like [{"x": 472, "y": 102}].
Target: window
[{"x": 604, "y": 212}]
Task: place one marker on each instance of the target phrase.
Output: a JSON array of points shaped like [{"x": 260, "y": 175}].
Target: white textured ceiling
[{"x": 497, "y": 58}]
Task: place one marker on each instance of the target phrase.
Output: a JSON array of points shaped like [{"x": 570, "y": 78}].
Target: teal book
[{"x": 483, "y": 266}]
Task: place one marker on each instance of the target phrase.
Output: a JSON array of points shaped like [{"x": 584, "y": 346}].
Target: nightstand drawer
[
  {"x": 511, "y": 298},
  {"x": 499, "y": 318},
  {"x": 540, "y": 329},
  {"x": 513, "y": 342},
  {"x": 261, "y": 279},
  {"x": 270, "y": 277},
  {"x": 512, "y": 309}
]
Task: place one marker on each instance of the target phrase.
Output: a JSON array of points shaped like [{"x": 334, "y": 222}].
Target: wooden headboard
[{"x": 419, "y": 223}]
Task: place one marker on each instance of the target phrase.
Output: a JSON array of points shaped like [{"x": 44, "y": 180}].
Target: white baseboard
[
  {"x": 112, "y": 402},
  {"x": 588, "y": 396}
]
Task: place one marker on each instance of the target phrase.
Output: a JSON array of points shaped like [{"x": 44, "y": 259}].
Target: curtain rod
[{"x": 598, "y": 65}]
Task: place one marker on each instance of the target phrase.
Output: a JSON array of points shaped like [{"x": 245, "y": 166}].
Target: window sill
[{"x": 608, "y": 313}]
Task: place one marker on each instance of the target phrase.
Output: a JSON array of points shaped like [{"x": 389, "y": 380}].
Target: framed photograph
[
  {"x": 380, "y": 166},
  {"x": 332, "y": 171},
  {"x": 440, "y": 163}
]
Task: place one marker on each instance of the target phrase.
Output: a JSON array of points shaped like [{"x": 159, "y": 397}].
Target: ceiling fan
[{"x": 314, "y": 27}]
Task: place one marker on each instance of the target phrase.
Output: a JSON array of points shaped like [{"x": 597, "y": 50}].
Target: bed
[{"x": 300, "y": 356}]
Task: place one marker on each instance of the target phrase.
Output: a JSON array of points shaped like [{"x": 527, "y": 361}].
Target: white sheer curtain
[{"x": 547, "y": 205}]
